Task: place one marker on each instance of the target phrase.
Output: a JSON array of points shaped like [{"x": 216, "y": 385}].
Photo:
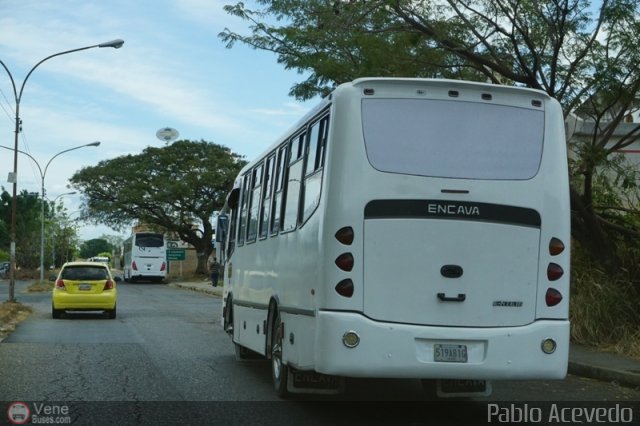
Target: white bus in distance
[
  {"x": 144, "y": 257},
  {"x": 405, "y": 228}
]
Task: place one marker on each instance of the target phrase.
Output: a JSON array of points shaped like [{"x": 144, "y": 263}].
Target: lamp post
[
  {"x": 14, "y": 176},
  {"x": 53, "y": 209},
  {"x": 43, "y": 174}
]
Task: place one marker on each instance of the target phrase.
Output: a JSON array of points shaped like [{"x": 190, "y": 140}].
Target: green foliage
[
  {"x": 176, "y": 188},
  {"x": 335, "y": 42},
  {"x": 28, "y": 226},
  {"x": 106, "y": 254},
  {"x": 95, "y": 247}
]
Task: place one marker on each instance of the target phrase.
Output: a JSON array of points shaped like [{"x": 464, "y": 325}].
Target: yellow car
[{"x": 84, "y": 286}]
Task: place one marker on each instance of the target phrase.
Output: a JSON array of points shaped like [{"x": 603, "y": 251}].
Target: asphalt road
[{"x": 165, "y": 359}]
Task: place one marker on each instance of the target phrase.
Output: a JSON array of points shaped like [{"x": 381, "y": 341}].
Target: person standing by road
[{"x": 214, "y": 270}]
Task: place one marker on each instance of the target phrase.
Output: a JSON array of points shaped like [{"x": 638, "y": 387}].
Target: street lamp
[
  {"x": 43, "y": 174},
  {"x": 116, "y": 44}
]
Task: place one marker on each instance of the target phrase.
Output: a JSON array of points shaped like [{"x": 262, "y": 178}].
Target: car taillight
[
  {"x": 134, "y": 266},
  {"x": 554, "y": 272},
  {"x": 60, "y": 285},
  {"x": 108, "y": 285},
  {"x": 553, "y": 297},
  {"x": 163, "y": 266}
]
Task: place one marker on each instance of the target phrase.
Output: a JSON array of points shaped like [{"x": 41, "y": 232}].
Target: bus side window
[
  {"x": 232, "y": 231},
  {"x": 242, "y": 226},
  {"x": 293, "y": 187},
  {"x": 265, "y": 205},
  {"x": 312, "y": 149},
  {"x": 322, "y": 147},
  {"x": 254, "y": 203},
  {"x": 278, "y": 186},
  {"x": 313, "y": 165}
]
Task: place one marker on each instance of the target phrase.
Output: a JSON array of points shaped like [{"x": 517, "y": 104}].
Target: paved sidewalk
[
  {"x": 583, "y": 361},
  {"x": 200, "y": 286},
  {"x": 605, "y": 366}
]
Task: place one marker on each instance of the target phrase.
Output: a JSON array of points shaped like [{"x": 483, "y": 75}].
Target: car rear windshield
[
  {"x": 75, "y": 273},
  {"x": 453, "y": 139}
]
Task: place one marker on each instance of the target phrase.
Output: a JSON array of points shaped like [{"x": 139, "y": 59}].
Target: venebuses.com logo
[{"x": 20, "y": 413}]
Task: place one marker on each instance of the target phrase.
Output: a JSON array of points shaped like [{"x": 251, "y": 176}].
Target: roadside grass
[
  {"x": 40, "y": 287},
  {"x": 604, "y": 308},
  {"x": 11, "y": 313}
]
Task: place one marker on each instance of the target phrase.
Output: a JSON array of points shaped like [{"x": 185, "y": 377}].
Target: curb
[
  {"x": 207, "y": 289},
  {"x": 622, "y": 377}
]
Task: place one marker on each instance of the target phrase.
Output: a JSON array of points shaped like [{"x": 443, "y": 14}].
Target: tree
[
  {"x": 95, "y": 247},
  {"x": 176, "y": 189},
  {"x": 339, "y": 41},
  {"x": 28, "y": 216},
  {"x": 584, "y": 57},
  {"x": 62, "y": 235}
]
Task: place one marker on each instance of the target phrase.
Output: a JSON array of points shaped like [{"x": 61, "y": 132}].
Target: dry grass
[
  {"x": 40, "y": 287},
  {"x": 605, "y": 309},
  {"x": 11, "y": 313}
]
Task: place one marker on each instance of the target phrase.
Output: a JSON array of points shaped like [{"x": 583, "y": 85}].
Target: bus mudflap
[
  {"x": 455, "y": 388},
  {"x": 311, "y": 382}
]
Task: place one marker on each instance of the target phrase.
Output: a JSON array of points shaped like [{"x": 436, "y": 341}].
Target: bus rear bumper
[{"x": 390, "y": 350}]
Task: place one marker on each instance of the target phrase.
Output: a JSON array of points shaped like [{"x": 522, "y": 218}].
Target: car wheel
[
  {"x": 111, "y": 313},
  {"x": 56, "y": 313},
  {"x": 279, "y": 370}
]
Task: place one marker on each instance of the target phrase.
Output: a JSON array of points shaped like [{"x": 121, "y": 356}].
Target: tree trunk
[{"x": 586, "y": 230}]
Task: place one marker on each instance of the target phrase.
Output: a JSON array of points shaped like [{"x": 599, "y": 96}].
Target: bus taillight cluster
[
  {"x": 554, "y": 273},
  {"x": 345, "y": 261}
]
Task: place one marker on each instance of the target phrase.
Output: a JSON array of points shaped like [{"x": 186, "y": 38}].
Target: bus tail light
[
  {"x": 108, "y": 285},
  {"x": 163, "y": 266},
  {"x": 345, "y": 262},
  {"x": 345, "y": 288},
  {"x": 60, "y": 285},
  {"x": 553, "y": 297},
  {"x": 345, "y": 235},
  {"x": 554, "y": 272},
  {"x": 556, "y": 246},
  {"x": 134, "y": 266}
]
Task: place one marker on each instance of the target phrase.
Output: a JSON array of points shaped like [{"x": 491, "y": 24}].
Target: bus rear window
[
  {"x": 453, "y": 139},
  {"x": 149, "y": 240}
]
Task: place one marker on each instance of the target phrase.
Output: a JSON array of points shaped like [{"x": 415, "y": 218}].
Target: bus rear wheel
[{"x": 279, "y": 370}]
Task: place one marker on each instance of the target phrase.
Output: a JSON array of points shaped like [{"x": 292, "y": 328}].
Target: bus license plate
[{"x": 449, "y": 353}]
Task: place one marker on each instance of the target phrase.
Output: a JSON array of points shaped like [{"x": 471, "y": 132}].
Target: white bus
[
  {"x": 144, "y": 257},
  {"x": 405, "y": 228}
]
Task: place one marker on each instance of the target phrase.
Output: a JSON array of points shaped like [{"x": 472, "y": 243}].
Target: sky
[{"x": 173, "y": 71}]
